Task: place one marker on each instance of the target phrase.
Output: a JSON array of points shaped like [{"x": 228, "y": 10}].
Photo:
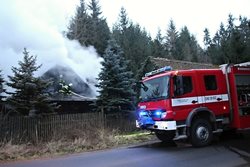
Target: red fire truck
[{"x": 195, "y": 104}]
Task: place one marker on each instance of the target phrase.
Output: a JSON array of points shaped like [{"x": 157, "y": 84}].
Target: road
[{"x": 149, "y": 155}]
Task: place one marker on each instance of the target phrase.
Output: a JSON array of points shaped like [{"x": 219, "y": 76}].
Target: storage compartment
[{"x": 243, "y": 92}]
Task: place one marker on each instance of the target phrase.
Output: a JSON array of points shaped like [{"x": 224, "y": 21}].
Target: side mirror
[
  {"x": 138, "y": 85},
  {"x": 144, "y": 87},
  {"x": 135, "y": 86}
]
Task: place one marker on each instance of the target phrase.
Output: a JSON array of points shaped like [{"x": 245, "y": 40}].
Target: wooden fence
[{"x": 45, "y": 128}]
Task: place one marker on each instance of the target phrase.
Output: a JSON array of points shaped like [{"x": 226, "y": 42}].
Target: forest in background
[{"x": 230, "y": 44}]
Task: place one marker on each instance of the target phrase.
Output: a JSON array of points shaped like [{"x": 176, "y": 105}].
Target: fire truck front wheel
[
  {"x": 165, "y": 136},
  {"x": 201, "y": 133}
]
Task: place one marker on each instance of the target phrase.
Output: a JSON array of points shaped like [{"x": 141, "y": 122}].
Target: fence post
[
  {"x": 103, "y": 118},
  {"x": 36, "y": 132}
]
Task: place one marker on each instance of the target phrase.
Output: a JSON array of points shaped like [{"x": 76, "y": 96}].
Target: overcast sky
[
  {"x": 195, "y": 14},
  {"x": 38, "y": 25}
]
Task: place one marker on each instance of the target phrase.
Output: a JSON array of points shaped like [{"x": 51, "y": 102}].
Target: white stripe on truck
[{"x": 199, "y": 100}]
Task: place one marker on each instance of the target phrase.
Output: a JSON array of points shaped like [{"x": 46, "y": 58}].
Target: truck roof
[{"x": 167, "y": 70}]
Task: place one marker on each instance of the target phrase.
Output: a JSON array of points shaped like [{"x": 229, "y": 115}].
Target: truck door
[
  {"x": 242, "y": 99},
  {"x": 213, "y": 92},
  {"x": 184, "y": 95}
]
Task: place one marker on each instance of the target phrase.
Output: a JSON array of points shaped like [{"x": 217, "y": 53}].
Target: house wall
[{"x": 73, "y": 107}]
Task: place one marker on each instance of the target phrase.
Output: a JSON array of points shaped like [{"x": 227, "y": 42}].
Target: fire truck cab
[{"x": 195, "y": 103}]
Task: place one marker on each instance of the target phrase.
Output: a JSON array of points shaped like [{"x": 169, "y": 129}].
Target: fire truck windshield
[{"x": 156, "y": 89}]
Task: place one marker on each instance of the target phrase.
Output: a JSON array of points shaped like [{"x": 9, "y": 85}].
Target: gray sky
[{"x": 195, "y": 14}]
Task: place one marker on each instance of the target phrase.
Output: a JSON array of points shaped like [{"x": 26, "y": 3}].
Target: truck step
[
  {"x": 180, "y": 137},
  {"x": 218, "y": 131}
]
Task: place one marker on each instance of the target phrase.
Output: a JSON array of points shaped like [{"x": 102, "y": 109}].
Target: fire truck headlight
[
  {"x": 158, "y": 113},
  {"x": 163, "y": 114},
  {"x": 143, "y": 113}
]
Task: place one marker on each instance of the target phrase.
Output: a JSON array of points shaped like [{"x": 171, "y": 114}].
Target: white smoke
[{"x": 38, "y": 26}]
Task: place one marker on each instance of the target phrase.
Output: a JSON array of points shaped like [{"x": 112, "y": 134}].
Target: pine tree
[
  {"x": 2, "y": 90},
  {"x": 230, "y": 43},
  {"x": 207, "y": 42},
  {"x": 95, "y": 9},
  {"x": 115, "y": 81},
  {"x": 123, "y": 20},
  {"x": 244, "y": 30},
  {"x": 99, "y": 32},
  {"x": 187, "y": 46},
  {"x": 89, "y": 29},
  {"x": 135, "y": 41},
  {"x": 157, "y": 46},
  {"x": 79, "y": 27},
  {"x": 237, "y": 43},
  {"x": 29, "y": 96},
  {"x": 171, "y": 40},
  {"x": 206, "y": 39}
]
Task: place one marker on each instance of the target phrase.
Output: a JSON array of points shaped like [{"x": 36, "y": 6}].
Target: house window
[{"x": 210, "y": 82}]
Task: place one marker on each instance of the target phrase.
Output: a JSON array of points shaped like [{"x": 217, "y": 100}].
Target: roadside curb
[{"x": 241, "y": 152}]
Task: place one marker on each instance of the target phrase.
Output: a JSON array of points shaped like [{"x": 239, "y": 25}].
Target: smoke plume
[{"x": 38, "y": 26}]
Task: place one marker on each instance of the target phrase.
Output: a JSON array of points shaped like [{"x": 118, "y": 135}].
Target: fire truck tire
[
  {"x": 165, "y": 136},
  {"x": 201, "y": 133}
]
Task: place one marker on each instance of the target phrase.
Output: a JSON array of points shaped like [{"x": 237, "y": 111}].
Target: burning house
[{"x": 80, "y": 93}]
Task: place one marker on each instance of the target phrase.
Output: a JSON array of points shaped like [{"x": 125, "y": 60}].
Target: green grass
[{"x": 134, "y": 138}]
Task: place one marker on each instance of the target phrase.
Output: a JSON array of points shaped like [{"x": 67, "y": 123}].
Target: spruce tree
[
  {"x": 135, "y": 41},
  {"x": 123, "y": 20},
  {"x": 79, "y": 27},
  {"x": 89, "y": 29},
  {"x": 230, "y": 43},
  {"x": 171, "y": 40},
  {"x": 206, "y": 40},
  {"x": 29, "y": 96},
  {"x": 99, "y": 32},
  {"x": 187, "y": 46},
  {"x": 244, "y": 30},
  {"x": 158, "y": 47},
  {"x": 115, "y": 81}
]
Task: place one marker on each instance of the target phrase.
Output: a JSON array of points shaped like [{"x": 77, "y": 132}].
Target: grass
[
  {"x": 134, "y": 138},
  {"x": 71, "y": 141}
]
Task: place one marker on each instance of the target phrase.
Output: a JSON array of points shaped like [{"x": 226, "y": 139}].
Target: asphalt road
[{"x": 149, "y": 155}]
